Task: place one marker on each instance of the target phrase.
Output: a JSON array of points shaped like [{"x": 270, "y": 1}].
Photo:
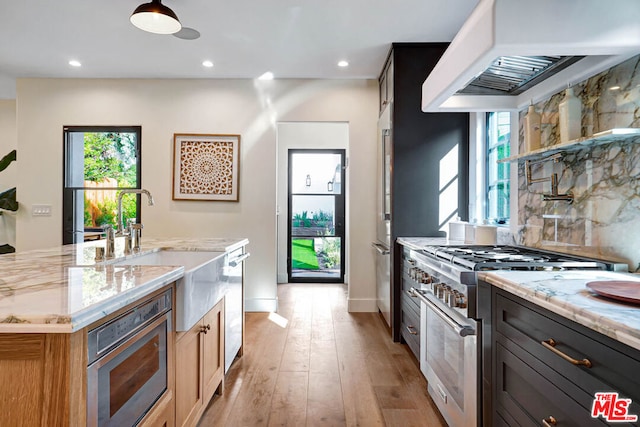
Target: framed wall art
[{"x": 206, "y": 167}]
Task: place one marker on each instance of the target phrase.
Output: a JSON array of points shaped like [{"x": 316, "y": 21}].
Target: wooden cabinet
[
  {"x": 162, "y": 414},
  {"x": 43, "y": 379},
  {"x": 533, "y": 381},
  {"x": 199, "y": 366}
]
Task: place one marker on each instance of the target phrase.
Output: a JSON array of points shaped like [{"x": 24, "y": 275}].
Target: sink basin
[
  {"x": 190, "y": 260},
  {"x": 201, "y": 287}
]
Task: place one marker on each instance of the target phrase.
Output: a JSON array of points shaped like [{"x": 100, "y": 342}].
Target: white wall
[
  {"x": 8, "y": 177},
  {"x": 164, "y": 107},
  {"x": 302, "y": 135}
]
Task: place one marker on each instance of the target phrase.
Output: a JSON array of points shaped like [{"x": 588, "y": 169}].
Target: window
[
  {"x": 497, "y": 182},
  {"x": 98, "y": 162}
]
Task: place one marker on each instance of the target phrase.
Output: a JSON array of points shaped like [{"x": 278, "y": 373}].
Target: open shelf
[{"x": 600, "y": 138}]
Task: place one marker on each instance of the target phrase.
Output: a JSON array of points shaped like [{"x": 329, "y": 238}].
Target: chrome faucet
[
  {"x": 109, "y": 242},
  {"x": 119, "y": 230}
]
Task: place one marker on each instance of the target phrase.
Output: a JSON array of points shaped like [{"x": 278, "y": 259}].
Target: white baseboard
[
  {"x": 362, "y": 305},
  {"x": 266, "y": 305}
]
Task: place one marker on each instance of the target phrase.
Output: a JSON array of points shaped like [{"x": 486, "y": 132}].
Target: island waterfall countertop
[
  {"x": 565, "y": 293},
  {"x": 63, "y": 289}
]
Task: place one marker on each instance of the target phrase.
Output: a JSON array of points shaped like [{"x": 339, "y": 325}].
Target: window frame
[
  {"x": 489, "y": 146},
  {"x": 69, "y": 192}
]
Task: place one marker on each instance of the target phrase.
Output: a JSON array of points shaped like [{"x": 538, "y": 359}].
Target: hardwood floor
[{"x": 315, "y": 364}]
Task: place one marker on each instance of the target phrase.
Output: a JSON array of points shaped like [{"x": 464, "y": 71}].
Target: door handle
[{"x": 381, "y": 249}]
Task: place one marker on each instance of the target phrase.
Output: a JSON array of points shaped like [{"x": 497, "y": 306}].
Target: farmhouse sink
[{"x": 201, "y": 287}]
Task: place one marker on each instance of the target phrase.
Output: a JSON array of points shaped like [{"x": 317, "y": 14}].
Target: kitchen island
[
  {"x": 50, "y": 302},
  {"x": 554, "y": 344}
]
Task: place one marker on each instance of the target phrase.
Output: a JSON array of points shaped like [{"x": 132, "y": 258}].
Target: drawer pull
[
  {"x": 551, "y": 343},
  {"x": 549, "y": 421},
  {"x": 411, "y": 330}
]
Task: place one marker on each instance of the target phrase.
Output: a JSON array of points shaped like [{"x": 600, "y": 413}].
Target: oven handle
[{"x": 462, "y": 330}]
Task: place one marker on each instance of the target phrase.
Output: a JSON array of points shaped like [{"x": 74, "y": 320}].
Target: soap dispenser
[
  {"x": 570, "y": 113},
  {"x": 531, "y": 129}
]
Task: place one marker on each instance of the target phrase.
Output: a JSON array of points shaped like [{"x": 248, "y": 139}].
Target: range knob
[
  {"x": 461, "y": 301},
  {"x": 437, "y": 289},
  {"x": 446, "y": 292},
  {"x": 451, "y": 298}
]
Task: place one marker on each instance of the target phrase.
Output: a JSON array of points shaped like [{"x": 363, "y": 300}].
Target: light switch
[{"x": 41, "y": 210}]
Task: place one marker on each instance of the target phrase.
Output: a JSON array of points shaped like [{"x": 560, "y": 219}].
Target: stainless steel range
[{"x": 444, "y": 278}]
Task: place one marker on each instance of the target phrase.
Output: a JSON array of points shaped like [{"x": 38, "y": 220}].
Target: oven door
[
  {"x": 126, "y": 382},
  {"x": 451, "y": 364}
]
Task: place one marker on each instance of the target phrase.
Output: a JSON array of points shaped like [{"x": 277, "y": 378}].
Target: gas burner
[{"x": 490, "y": 257}]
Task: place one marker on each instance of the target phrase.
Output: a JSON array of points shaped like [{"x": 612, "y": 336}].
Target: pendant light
[{"x": 155, "y": 17}]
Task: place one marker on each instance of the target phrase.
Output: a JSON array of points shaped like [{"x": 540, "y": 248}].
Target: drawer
[
  {"x": 524, "y": 395},
  {"x": 411, "y": 303},
  {"x": 410, "y": 329},
  {"x": 614, "y": 365}
]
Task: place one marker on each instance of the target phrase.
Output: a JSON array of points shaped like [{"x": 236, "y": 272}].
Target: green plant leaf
[
  {"x": 8, "y": 200},
  {"x": 7, "y": 249},
  {"x": 6, "y": 160}
]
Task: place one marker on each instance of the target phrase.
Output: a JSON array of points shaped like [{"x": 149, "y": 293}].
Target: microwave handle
[{"x": 462, "y": 330}]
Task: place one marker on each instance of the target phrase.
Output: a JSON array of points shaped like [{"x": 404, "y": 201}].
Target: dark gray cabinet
[
  {"x": 385, "y": 83},
  {"x": 420, "y": 142},
  {"x": 410, "y": 307},
  {"x": 531, "y": 382}
]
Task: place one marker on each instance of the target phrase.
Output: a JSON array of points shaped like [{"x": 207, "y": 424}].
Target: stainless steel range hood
[{"x": 511, "y": 52}]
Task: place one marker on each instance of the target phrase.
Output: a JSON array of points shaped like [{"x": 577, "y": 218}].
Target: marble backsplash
[{"x": 604, "y": 218}]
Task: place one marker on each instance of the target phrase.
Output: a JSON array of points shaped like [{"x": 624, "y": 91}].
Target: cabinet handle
[
  {"x": 411, "y": 293},
  {"x": 551, "y": 343},
  {"x": 549, "y": 421},
  {"x": 204, "y": 329},
  {"x": 411, "y": 330}
]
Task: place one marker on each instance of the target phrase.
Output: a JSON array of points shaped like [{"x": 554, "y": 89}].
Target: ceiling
[{"x": 243, "y": 38}]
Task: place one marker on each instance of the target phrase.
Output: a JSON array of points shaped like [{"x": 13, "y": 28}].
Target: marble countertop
[
  {"x": 62, "y": 289},
  {"x": 565, "y": 293}
]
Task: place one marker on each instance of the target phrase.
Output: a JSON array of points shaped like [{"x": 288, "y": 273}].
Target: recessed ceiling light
[
  {"x": 207, "y": 64},
  {"x": 266, "y": 76},
  {"x": 75, "y": 63},
  {"x": 614, "y": 88},
  {"x": 343, "y": 63}
]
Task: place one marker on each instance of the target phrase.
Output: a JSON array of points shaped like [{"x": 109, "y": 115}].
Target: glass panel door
[{"x": 316, "y": 216}]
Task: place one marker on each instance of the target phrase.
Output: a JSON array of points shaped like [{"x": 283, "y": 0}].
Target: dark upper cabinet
[{"x": 424, "y": 145}]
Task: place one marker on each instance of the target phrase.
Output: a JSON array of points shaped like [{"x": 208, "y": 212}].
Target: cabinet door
[
  {"x": 382, "y": 91},
  {"x": 213, "y": 350},
  {"x": 188, "y": 375},
  {"x": 162, "y": 414},
  {"x": 389, "y": 80}
]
